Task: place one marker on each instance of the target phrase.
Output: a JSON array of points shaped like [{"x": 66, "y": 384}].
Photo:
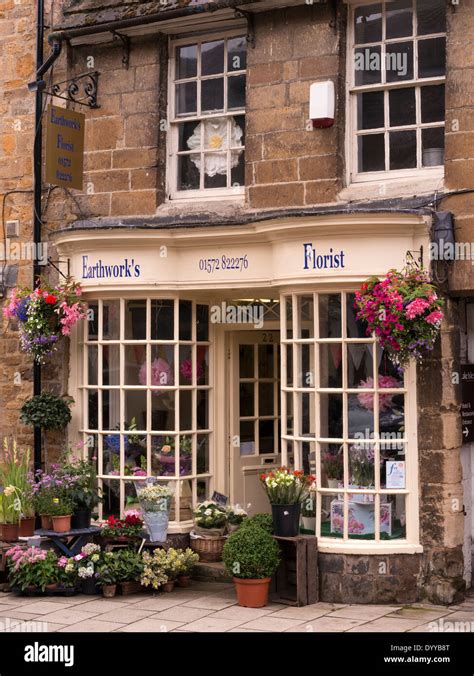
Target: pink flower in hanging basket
[{"x": 416, "y": 307}]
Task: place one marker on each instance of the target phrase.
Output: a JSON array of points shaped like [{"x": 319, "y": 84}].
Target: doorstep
[{"x": 211, "y": 572}]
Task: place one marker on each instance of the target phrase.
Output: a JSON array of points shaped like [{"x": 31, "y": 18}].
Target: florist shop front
[{"x": 212, "y": 355}]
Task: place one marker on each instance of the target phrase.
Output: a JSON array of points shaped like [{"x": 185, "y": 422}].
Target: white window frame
[
  {"x": 237, "y": 192},
  {"x": 83, "y": 387},
  {"x": 409, "y": 544},
  {"x": 353, "y": 175}
]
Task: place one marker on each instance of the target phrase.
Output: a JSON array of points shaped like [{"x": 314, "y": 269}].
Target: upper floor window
[
  {"x": 397, "y": 74},
  {"x": 207, "y": 113}
]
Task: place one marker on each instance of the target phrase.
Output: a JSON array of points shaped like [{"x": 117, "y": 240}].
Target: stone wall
[
  {"x": 460, "y": 136},
  {"x": 347, "y": 578},
  {"x": 17, "y": 127},
  {"x": 288, "y": 163}
]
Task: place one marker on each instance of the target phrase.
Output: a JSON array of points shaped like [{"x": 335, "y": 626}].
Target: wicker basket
[{"x": 209, "y": 549}]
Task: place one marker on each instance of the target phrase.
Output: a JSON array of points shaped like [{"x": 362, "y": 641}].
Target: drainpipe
[{"x": 41, "y": 68}]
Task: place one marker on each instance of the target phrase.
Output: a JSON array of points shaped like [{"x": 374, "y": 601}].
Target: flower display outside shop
[
  {"x": 235, "y": 515},
  {"x": 45, "y": 314},
  {"x": 209, "y": 515},
  {"x": 85, "y": 563},
  {"x": 36, "y": 569},
  {"x": 404, "y": 312},
  {"x": 129, "y": 527},
  {"x": 285, "y": 486},
  {"x": 155, "y": 503}
]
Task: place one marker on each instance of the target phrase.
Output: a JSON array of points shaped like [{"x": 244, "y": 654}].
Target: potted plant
[
  {"x": 334, "y": 468},
  {"x": 45, "y": 315},
  {"x": 153, "y": 574},
  {"x": 32, "y": 569},
  {"x": 286, "y": 490},
  {"x": 11, "y": 509},
  {"x": 129, "y": 570},
  {"x": 122, "y": 530},
  {"x": 252, "y": 556},
  {"x": 14, "y": 471},
  {"x": 47, "y": 411},
  {"x": 261, "y": 519},
  {"x": 235, "y": 517},
  {"x": 403, "y": 311},
  {"x": 188, "y": 560},
  {"x": 84, "y": 565},
  {"x": 107, "y": 573},
  {"x": 60, "y": 511},
  {"x": 84, "y": 492},
  {"x": 207, "y": 537},
  {"x": 155, "y": 501}
]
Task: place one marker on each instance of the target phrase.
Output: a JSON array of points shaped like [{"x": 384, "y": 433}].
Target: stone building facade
[{"x": 144, "y": 192}]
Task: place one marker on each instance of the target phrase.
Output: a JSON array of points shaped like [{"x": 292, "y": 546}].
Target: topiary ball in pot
[
  {"x": 252, "y": 556},
  {"x": 261, "y": 520}
]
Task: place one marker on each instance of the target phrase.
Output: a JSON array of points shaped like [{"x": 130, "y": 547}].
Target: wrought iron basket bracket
[
  {"x": 80, "y": 89},
  {"x": 125, "y": 40},
  {"x": 411, "y": 260},
  {"x": 52, "y": 263}
]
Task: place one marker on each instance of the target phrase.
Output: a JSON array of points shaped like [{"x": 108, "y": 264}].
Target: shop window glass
[
  {"x": 144, "y": 427},
  {"x": 355, "y": 438}
]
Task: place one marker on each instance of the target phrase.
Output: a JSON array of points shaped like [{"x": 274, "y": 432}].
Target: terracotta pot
[
  {"x": 10, "y": 531},
  {"x": 109, "y": 590},
  {"x": 252, "y": 593},
  {"x": 46, "y": 523},
  {"x": 184, "y": 581},
  {"x": 61, "y": 524},
  {"x": 168, "y": 586},
  {"x": 27, "y": 526},
  {"x": 52, "y": 587}
]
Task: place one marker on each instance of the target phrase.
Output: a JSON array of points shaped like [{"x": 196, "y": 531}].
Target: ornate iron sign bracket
[{"x": 81, "y": 89}]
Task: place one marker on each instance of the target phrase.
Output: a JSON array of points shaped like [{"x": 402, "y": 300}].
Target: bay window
[
  {"x": 147, "y": 398},
  {"x": 346, "y": 417}
]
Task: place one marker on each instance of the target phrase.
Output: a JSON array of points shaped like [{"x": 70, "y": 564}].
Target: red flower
[
  {"x": 50, "y": 299},
  {"x": 133, "y": 520}
]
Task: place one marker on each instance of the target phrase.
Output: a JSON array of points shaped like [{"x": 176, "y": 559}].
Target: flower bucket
[
  {"x": 157, "y": 525},
  {"x": 89, "y": 587},
  {"x": 81, "y": 518},
  {"x": 252, "y": 593},
  {"x": 286, "y": 520}
]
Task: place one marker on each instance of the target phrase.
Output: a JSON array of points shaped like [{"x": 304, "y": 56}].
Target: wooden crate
[{"x": 296, "y": 581}]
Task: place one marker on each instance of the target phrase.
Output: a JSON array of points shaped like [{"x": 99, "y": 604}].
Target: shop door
[{"x": 255, "y": 445}]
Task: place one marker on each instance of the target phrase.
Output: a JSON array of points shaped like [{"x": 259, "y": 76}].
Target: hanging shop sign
[
  {"x": 64, "y": 147},
  {"x": 467, "y": 404}
]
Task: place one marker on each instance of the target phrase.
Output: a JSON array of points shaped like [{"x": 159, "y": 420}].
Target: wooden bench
[{"x": 296, "y": 581}]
